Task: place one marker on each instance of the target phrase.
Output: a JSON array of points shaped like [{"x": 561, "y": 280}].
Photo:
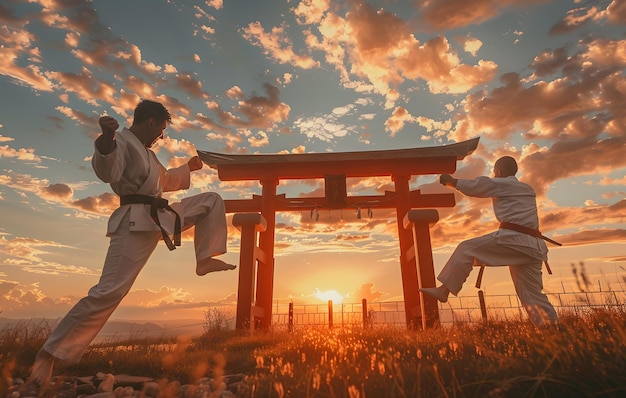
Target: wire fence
[{"x": 462, "y": 309}]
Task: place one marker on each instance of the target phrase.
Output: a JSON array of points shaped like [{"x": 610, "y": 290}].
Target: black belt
[{"x": 155, "y": 204}]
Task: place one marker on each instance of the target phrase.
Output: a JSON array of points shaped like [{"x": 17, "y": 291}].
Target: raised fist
[{"x": 108, "y": 125}]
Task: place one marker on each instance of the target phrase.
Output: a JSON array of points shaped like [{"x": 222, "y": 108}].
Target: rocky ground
[{"x": 122, "y": 386}]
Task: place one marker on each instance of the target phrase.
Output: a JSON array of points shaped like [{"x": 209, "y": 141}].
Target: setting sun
[{"x": 329, "y": 295}]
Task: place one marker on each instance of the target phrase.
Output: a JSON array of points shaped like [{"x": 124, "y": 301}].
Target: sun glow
[{"x": 329, "y": 295}]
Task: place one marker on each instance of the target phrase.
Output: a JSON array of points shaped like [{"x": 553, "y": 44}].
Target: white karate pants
[
  {"x": 525, "y": 273},
  {"x": 127, "y": 254}
]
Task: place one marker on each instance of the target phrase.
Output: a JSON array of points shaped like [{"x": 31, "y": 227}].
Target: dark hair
[
  {"x": 507, "y": 165},
  {"x": 147, "y": 109}
]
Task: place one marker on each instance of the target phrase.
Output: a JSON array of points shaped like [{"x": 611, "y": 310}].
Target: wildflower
[
  {"x": 278, "y": 387},
  {"x": 353, "y": 391},
  {"x": 317, "y": 381}
]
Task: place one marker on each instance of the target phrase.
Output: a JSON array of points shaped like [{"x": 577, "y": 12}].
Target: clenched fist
[
  {"x": 194, "y": 163},
  {"x": 108, "y": 125},
  {"x": 447, "y": 180}
]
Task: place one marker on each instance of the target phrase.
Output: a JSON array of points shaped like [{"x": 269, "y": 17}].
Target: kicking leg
[
  {"x": 211, "y": 264},
  {"x": 441, "y": 293},
  {"x": 206, "y": 212}
]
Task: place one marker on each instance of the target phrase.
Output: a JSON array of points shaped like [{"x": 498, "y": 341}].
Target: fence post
[
  {"x": 483, "y": 308},
  {"x": 330, "y": 314},
  {"x": 365, "y": 319},
  {"x": 291, "y": 317}
]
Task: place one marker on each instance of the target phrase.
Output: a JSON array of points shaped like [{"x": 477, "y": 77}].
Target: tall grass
[{"x": 583, "y": 356}]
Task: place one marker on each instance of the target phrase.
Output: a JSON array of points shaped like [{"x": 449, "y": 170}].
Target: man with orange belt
[{"x": 518, "y": 243}]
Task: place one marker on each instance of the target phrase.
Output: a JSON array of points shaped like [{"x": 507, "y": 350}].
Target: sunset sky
[{"x": 543, "y": 81}]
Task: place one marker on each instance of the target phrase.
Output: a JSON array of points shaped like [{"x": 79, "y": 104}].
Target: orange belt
[{"x": 527, "y": 231}]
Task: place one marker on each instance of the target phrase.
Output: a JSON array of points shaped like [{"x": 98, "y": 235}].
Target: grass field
[{"x": 584, "y": 356}]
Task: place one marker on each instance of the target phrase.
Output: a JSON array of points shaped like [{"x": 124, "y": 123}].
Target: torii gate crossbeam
[{"x": 334, "y": 168}]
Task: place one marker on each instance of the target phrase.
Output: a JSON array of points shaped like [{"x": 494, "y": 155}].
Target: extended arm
[{"x": 178, "y": 177}]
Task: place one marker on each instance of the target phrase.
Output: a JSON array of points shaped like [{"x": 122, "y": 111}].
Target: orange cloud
[
  {"x": 18, "y": 44},
  {"x": 30, "y": 254},
  {"x": 396, "y": 121},
  {"x": 173, "y": 146},
  {"x": 257, "y": 111},
  {"x": 348, "y": 237},
  {"x": 311, "y": 11},
  {"x": 62, "y": 194},
  {"x": 103, "y": 204},
  {"x": 26, "y": 154},
  {"x": 277, "y": 45},
  {"x": 152, "y": 298},
  {"x": 594, "y": 236},
  {"x": 365, "y": 291},
  {"x": 89, "y": 121},
  {"x": 585, "y": 156},
  {"x": 616, "y": 12},
  {"x": 378, "y": 48},
  {"x": 23, "y": 301},
  {"x": 22, "y": 182},
  {"x": 452, "y": 14},
  {"x": 84, "y": 85},
  {"x": 578, "y": 17},
  {"x": 563, "y": 108},
  {"x": 574, "y": 19},
  {"x": 260, "y": 139},
  {"x": 56, "y": 191},
  {"x": 190, "y": 85}
]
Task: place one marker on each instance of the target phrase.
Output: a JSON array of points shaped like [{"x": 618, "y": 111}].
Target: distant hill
[{"x": 119, "y": 329}]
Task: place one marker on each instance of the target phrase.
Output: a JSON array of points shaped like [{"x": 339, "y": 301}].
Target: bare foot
[
  {"x": 211, "y": 264},
  {"x": 42, "y": 369},
  {"x": 440, "y": 293}
]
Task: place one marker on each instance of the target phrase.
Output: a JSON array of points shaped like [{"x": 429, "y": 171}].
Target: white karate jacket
[
  {"x": 134, "y": 169},
  {"x": 514, "y": 202}
]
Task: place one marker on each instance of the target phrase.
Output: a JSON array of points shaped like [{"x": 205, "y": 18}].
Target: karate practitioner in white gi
[
  {"x": 517, "y": 244},
  {"x": 126, "y": 162}
]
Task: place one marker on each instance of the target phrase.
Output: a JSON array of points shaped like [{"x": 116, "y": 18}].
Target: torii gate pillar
[
  {"x": 408, "y": 268},
  {"x": 265, "y": 278},
  {"x": 418, "y": 222}
]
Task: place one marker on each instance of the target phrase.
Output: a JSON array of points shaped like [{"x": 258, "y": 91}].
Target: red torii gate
[{"x": 400, "y": 165}]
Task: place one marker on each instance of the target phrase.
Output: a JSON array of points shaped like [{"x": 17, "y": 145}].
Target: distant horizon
[{"x": 337, "y": 306}]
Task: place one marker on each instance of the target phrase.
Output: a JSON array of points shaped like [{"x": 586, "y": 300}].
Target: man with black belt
[
  {"x": 125, "y": 161},
  {"x": 518, "y": 243}
]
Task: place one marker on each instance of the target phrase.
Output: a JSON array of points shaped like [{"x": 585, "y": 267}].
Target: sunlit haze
[
  {"x": 543, "y": 81},
  {"x": 329, "y": 295}
]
